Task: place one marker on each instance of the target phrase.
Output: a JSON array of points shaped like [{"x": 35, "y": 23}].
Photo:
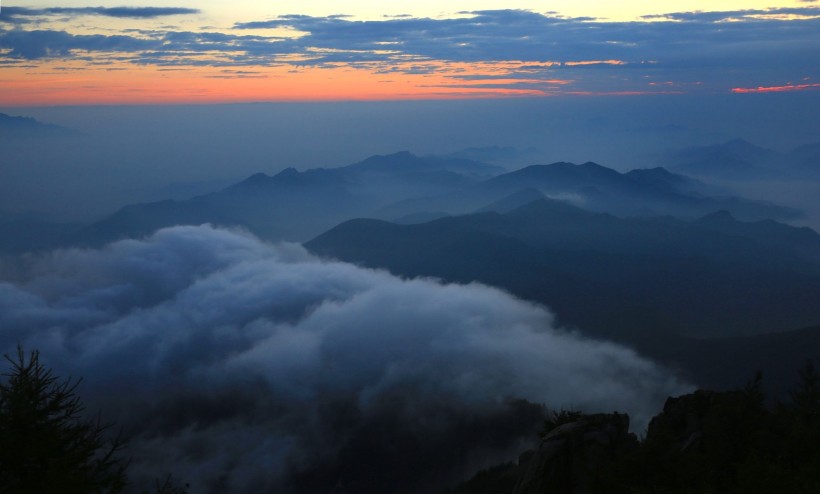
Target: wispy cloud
[
  {"x": 739, "y": 15},
  {"x": 522, "y": 35},
  {"x": 24, "y": 14},
  {"x": 32, "y": 45},
  {"x": 776, "y": 89}
]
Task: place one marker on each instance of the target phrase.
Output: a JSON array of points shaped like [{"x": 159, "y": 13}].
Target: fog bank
[{"x": 241, "y": 366}]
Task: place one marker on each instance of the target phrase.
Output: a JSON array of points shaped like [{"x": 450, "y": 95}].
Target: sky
[{"x": 168, "y": 52}]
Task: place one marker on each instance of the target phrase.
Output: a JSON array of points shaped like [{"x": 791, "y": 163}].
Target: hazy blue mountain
[
  {"x": 802, "y": 241},
  {"x": 685, "y": 293},
  {"x": 595, "y": 268},
  {"x": 295, "y": 205},
  {"x": 558, "y": 177},
  {"x": 602, "y": 189},
  {"x": 26, "y": 127},
  {"x": 735, "y": 159},
  {"x": 187, "y": 190},
  {"x": 597, "y": 188},
  {"x": 513, "y": 201},
  {"x": 288, "y": 206},
  {"x": 507, "y": 155},
  {"x": 806, "y": 159},
  {"x": 408, "y": 163},
  {"x": 420, "y": 217},
  {"x": 740, "y": 160},
  {"x": 660, "y": 178}
]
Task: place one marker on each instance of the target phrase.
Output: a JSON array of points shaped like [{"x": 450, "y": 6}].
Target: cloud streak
[
  {"x": 511, "y": 35},
  {"x": 700, "y": 51},
  {"x": 776, "y": 89},
  {"x": 39, "y": 44},
  {"x": 24, "y": 14},
  {"x": 242, "y": 366}
]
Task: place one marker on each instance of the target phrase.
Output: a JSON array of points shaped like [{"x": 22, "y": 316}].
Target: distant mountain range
[
  {"x": 296, "y": 206},
  {"x": 644, "y": 192},
  {"x": 714, "y": 276},
  {"x": 26, "y": 127},
  {"x": 649, "y": 257},
  {"x": 497, "y": 154},
  {"x": 740, "y": 160},
  {"x": 658, "y": 284}
]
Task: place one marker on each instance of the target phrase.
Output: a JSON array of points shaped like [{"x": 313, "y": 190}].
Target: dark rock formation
[
  {"x": 728, "y": 442},
  {"x": 571, "y": 454}
]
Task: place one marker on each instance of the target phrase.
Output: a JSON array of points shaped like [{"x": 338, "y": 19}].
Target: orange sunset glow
[
  {"x": 775, "y": 89},
  {"x": 72, "y": 82},
  {"x": 156, "y": 54}
]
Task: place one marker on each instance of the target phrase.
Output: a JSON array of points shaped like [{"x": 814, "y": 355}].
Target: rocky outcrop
[
  {"x": 731, "y": 442},
  {"x": 679, "y": 428},
  {"x": 571, "y": 454}
]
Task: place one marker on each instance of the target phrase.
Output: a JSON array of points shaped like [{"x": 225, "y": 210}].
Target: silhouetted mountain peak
[
  {"x": 546, "y": 207},
  {"x": 260, "y": 177},
  {"x": 11, "y": 126},
  {"x": 405, "y": 162},
  {"x": 658, "y": 172},
  {"x": 806, "y": 156},
  {"x": 313, "y": 177},
  {"x": 402, "y": 160},
  {"x": 562, "y": 167},
  {"x": 736, "y": 148},
  {"x": 538, "y": 171},
  {"x": 718, "y": 217},
  {"x": 768, "y": 232},
  {"x": 256, "y": 181},
  {"x": 813, "y": 148},
  {"x": 10, "y": 121},
  {"x": 551, "y": 166},
  {"x": 495, "y": 154},
  {"x": 739, "y": 143},
  {"x": 560, "y": 176},
  {"x": 513, "y": 201}
]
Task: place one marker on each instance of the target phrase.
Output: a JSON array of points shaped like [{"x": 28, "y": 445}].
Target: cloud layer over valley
[{"x": 239, "y": 366}]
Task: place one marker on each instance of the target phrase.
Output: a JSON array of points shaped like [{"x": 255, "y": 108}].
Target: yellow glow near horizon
[{"x": 226, "y": 13}]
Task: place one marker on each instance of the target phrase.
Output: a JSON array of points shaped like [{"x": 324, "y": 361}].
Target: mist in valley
[
  {"x": 120, "y": 155},
  {"x": 466, "y": 267}
]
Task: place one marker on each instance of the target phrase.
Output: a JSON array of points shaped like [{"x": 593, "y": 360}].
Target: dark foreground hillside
[{"x": 704, "y": 442}]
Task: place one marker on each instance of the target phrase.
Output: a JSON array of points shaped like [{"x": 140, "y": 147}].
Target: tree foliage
[{"x": 47, "y": 444}]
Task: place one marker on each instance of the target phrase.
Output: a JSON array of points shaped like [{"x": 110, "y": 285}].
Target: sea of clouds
[{"x": 240, "y": 366}]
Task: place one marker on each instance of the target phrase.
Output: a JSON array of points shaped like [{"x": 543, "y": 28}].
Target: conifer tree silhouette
[{"x": 47, "y": 444}]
